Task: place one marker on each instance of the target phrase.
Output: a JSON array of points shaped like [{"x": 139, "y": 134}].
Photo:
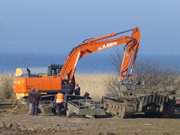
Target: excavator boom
[{"x": 92, "y": 45}]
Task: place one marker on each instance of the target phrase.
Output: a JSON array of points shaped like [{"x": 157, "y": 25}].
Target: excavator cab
[
  {"x": 54, "y": 69},
  {"x": 67, "y": 86}
]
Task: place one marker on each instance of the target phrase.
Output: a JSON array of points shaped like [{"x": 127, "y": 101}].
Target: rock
[
  {"x": 10, "y": 125},
  {"x": 108, "y": 133}
]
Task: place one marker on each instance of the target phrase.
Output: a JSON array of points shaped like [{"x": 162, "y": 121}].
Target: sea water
[{"x": 91, "y": 64}]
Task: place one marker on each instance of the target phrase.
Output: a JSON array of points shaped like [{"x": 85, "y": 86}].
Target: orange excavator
[{"x": 62, "y": 75}]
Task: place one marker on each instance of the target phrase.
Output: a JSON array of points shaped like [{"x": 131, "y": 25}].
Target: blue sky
[{"x": 56, "y": 26}]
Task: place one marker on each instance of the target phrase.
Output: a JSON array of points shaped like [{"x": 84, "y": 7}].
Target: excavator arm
[{"x": 132, "y": 44}]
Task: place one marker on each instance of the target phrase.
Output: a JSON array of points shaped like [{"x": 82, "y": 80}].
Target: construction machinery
[
  {"x": 63, "y": 76},
  {"x": 80, "y": 106}
]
